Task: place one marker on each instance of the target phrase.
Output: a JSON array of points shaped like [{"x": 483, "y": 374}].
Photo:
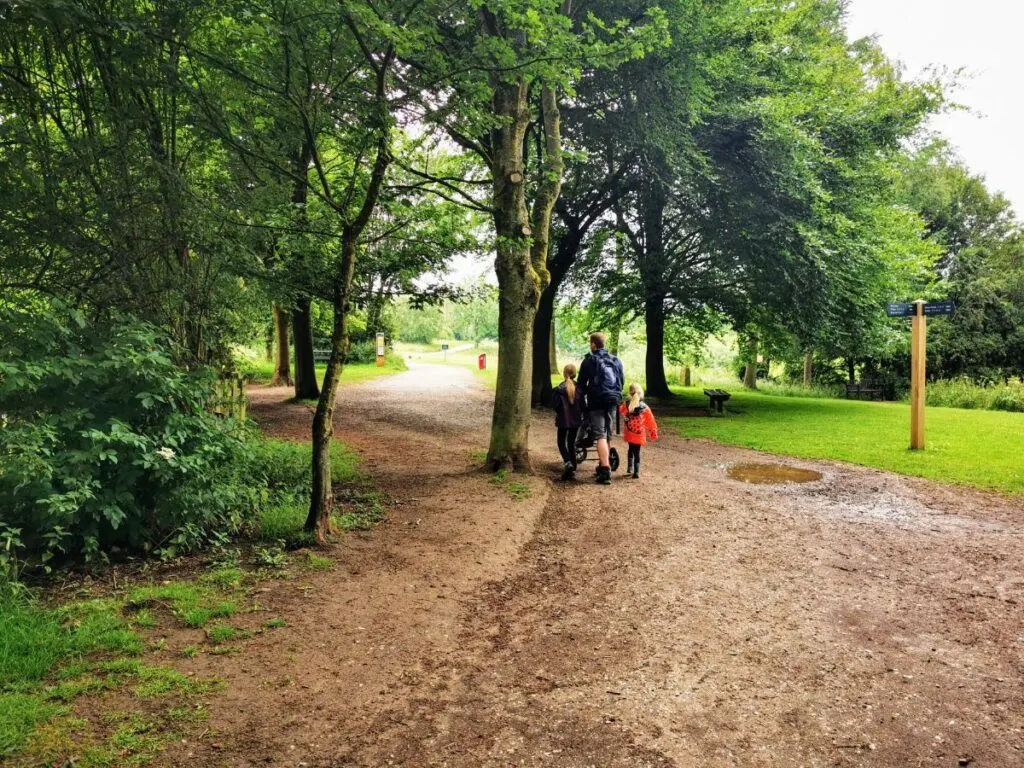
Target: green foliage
[
  {"x": 475, "y": 319},
  {"x": 272, "y": 557},
  {"x": 108, "y": 445},
  {"x": 145, "y": 234},
  {"x": 285, "y": 467},
  {"x": 964, "y": 393},
  {"x": 418, "y": 325},
  {"x": 981, "y": 269}
]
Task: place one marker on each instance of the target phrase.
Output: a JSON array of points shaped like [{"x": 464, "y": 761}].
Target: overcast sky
[{"x": 985, "y": 37}]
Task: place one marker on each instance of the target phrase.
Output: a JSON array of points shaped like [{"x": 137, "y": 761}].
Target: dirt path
[{"x": 684, "y": 619}]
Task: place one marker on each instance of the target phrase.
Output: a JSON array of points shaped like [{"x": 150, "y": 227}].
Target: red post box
[{"x": 481, "y": 362}]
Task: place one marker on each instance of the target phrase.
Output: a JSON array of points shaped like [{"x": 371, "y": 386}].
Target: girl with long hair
[
  {"x": 639, "y": 424},
  {"x": 568, "y": 419}
]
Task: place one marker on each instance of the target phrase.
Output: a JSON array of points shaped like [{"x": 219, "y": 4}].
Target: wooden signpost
[
  {"x": 920, "y": 311},
  {"x": 380, "y": 350}
]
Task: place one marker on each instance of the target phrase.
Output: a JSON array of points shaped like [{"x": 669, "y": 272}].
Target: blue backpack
[{"x": 604, "y": 386}]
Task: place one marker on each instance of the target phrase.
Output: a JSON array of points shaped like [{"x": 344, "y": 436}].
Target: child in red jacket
[{"x": 639, "y": 423}]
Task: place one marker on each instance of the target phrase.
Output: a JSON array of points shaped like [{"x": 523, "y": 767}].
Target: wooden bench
[
  {"x": 858, "y": 390},
  {"x": 718, "y": 398}
]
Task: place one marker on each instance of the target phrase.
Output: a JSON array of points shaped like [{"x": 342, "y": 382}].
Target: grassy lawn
[
  {"x": 467, "y": 358},
  {"x": 984, "y": 449},
  {"x": 356, "y": 373}
]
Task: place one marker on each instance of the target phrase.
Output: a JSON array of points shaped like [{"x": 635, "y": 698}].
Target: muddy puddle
[{"x": 771, "y": 474}]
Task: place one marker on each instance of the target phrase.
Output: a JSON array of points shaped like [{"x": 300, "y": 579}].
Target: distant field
[
  {"x": 356, "y": 373},
  {"x": 984, "y": 449}
]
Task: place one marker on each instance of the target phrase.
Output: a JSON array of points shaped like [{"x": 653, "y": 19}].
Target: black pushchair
[{"x": 585, "y": 441}]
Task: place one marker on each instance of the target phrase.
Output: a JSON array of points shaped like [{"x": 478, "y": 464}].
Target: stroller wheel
[
  {"x": 613, "y": 459},
  {"x": 581, "y": 454}
]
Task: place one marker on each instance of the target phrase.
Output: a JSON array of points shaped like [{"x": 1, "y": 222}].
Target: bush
[
  {"x": 362, "y": 352},
  {"x": 284, "y": 468},
  {"x": 784, "y": 389},
  {"x": 963, "y": 393},
  {"x": 106, "y": 445}
]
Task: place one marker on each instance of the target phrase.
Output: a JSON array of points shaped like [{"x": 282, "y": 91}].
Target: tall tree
[{"x": 504, "y": 67}]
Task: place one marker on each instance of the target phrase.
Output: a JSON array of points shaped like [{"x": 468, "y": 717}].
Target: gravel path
[{"x": 684, "y": 619}]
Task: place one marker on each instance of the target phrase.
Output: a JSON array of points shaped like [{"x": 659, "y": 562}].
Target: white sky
[{"x": 985, "y": 37}]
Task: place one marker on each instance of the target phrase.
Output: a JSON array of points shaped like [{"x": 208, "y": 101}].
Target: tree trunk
[
  {"x": 282, "y": 373},
  {"x": 750, "y": 375},
  {"x": 318, "y": 521},
  {"x": 851, "y": 369},
  {"x": 651, "y": 264},
  {"x": 553, "y": 351},
  {"x": 521, "y": 266},
  {"x": 615, "y": 332},
  {"x": 305, "y": 367},
  {"x": 686, "y": 376},
  {"x": 565, "y": 257},
  {"x": 654, "y": 363},
  {"x": 322, "y": 493},
  {"x": 270, "y": 342},
  {"x": 306, "y": 387},
  {"x": 808, "y": 368},
  {"x": 540, "y": 394}
]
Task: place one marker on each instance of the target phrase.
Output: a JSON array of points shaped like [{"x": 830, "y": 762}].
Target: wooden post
[{"x": 917, "y": 374}]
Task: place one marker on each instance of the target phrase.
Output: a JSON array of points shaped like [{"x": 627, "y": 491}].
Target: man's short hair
[{"x": 597, "y": 339}]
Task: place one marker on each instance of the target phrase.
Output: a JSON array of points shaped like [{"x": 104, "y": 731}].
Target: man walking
[{"x": 601, "y": 381}]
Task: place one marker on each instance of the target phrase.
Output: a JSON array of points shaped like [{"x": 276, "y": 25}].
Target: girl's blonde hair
[
  {"x": 569, "y": 372},
  {"x": 636, "y": 394}
]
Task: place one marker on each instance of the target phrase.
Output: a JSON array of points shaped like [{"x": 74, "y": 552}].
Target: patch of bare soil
[{"x": 682, "y": 619}]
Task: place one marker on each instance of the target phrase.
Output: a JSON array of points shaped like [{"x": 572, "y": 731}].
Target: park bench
[
  {"x": 858, "y": 390},
  {"x": 717, "y": 398}
]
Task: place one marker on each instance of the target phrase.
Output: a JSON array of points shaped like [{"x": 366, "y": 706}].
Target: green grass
[
  {"x": 318, "y": 562},
  {"x": 516, "y": 489},
  {"x": 195, "y": 604},
  {"x": 20, "y": 715},
  {"x": 51, "y": 657},
  {"x": 984, "y": 449},
  {"x": 284, "y": 518},
  {"x": 262, "y": 371},
  {"x": 221, "y": 633}
]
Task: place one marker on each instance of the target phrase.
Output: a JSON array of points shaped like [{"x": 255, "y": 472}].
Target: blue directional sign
[
  {"x": 931, "y": 309},
  {"x": 940, "y": 308},
  {"x": 901, "y": 310}
]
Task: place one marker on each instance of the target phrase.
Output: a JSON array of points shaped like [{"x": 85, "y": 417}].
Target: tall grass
[
  {"x": 963, "y": 393},
  {"x": 287, "y": 467}
]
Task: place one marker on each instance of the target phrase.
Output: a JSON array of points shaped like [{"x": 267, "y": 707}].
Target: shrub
[
  {"x": 784, "y": 389},
  {"x": 106, "y": 445},
  {"x": 963, "y": 393}
]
